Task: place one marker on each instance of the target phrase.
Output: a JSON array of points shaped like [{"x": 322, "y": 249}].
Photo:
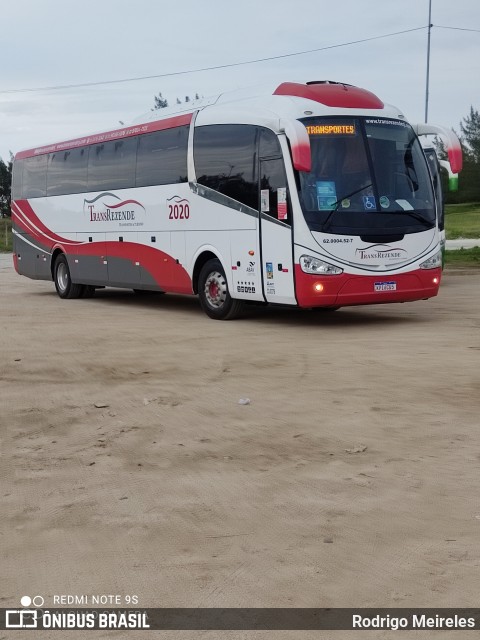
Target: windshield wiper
[{"x": 339, "y": 202}]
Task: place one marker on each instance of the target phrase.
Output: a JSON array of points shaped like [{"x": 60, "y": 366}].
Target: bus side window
[
  {"x": 273, "y": 189},
  {"x": 226, "y": 159},
  {"x": 111, "y": 165},
  {"x": 269, "y": 144},
  {"x": 273, "y": 180},
  {"x": 162, "y": 157},
  {"x": 67, "y": 171},
  {"x": 17, "y": 180},
  {"x": 35, "y": 177},
  {"x": 432, "y": 160}
]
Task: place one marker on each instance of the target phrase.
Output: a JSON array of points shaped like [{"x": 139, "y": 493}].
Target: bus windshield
[{"x": 368, "y": 175}]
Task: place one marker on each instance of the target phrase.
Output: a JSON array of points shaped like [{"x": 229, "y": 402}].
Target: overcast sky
[{"x": 70, "y": 42}]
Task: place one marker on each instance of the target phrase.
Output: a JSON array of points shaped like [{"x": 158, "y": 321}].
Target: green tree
[
  {"x": 470, "y": 128},
  {"x": 159, "y": 102},
  {"x": 469, "y": 178},
  {"x": 162, "y": 103},
  {"x": 5, "y": 186}
]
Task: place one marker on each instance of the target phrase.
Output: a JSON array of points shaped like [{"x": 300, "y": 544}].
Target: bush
[{"x": 5, "y": 234}]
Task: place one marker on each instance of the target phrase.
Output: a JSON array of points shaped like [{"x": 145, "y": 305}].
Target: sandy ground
[{"x": 129, "y": 466}]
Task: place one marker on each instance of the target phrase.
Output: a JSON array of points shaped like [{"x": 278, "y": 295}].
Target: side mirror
[{"x": 454, "y": 150}]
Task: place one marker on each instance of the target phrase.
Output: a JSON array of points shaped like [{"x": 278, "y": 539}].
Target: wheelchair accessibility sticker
[{"x": 369, "y": 203}]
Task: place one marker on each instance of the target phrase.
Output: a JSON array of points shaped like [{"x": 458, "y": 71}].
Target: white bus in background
[
  {"x": 310, "y": 195},
  {"x": 435, "y": 166}
]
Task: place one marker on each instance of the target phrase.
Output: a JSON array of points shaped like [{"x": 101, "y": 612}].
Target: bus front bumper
[{"x": 347, "y": 289}]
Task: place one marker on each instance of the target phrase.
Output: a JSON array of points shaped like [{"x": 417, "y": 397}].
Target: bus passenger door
[{"x": 276, "y": 233}]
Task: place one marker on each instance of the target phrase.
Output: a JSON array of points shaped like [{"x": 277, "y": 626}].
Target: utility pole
[{"x": 428, "y": 57}]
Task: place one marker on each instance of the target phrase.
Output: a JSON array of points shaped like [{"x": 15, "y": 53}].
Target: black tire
[
  {"x": 63, "y": 282},
  {"x": 215, "y": 298}
]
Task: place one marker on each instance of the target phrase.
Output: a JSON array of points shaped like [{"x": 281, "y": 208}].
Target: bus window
[
  {"x": 269, "y": 144},
  {"x": 35, "y": 177},
  {"x": 67, "y": 172},
  {"x": 273, "y": 189},
  {"x": 17, "y": 180},
  {"x": 432, "y": 160},
  {"x": 162, "y": 157},
  {"x": 111, "y": 165},
  {"x": 226, "y": 160}
]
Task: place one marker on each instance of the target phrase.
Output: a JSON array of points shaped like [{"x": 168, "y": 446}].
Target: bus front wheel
[
  {"x": 63, "y": 282},
  {"x": 215, "y": 298}
]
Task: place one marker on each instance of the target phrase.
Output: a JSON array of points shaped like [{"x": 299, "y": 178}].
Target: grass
[
  {"x": 5, "y": 234},
  {"x": 463, "y": 258},
  {"x": 462, "y": 220}
]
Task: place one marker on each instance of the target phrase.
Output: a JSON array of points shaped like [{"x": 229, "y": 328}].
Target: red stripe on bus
[
  {"x": 24, "y": 216},
  {"x": 162, "y": 267},
  {"x": 107, "y": 136}
]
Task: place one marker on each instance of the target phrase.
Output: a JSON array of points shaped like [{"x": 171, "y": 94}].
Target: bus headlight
[
  {"x": 309, "y": 264},
  {"x": 432, "y": 263}
]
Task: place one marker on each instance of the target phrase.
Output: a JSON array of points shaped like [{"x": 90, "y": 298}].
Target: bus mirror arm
[
  {"x": 454, "y": 149},
  {"x": 446, "y": 165},
  {"x": 299, "y": 144}
]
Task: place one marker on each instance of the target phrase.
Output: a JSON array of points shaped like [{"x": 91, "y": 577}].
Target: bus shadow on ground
[
  {"x": 187, "y": 305},
  {"x": 346, "y": 316}
]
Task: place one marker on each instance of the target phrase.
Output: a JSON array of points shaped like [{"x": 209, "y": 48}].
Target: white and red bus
[
  {"x": 435, "y": 166},
  {"x": 312, "y": 195}
]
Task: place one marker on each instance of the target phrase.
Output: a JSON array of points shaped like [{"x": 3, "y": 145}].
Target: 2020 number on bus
[{"x": 178, "y": 212}]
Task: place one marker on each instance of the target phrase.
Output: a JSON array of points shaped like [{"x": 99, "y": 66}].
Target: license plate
[{"x": 385, "y": 286}]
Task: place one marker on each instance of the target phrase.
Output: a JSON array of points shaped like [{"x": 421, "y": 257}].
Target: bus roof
[{"x": 260, "y": 105}]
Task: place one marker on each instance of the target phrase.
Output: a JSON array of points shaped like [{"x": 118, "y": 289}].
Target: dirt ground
[{"x": 130, "y": 467}]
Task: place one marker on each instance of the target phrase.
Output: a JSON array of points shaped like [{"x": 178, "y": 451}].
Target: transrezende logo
[
  {"x": 125, "y": 212},
  {"x": 380, "y": 252}
]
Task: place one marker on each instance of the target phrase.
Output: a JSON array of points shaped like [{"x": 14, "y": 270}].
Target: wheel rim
[
  {"x": 216, "y": 290},
  {"x": 62, "y": 276}
]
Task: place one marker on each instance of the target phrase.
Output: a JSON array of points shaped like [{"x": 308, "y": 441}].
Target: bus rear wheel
[
  {"x": 215, "y": 298},
  {"x": 63, "y": 282}
]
